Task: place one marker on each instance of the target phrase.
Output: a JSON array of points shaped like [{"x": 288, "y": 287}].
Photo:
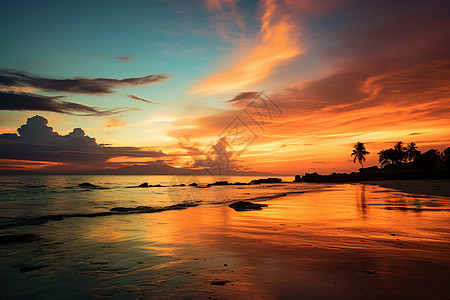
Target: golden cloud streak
[{"x": 277, "y": 44}]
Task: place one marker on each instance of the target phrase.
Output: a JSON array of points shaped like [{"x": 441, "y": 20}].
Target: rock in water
[
  {"x": 266, "y": 180},
  {"x": 88, "y": 185},
  {"x": 297, "y": 178},
  {"x": 220, "y": 282},
  {"x": 219, "y": 183},
  {"x": 245, "y": 205},
  {"x": 91, "y": 186},
  {"x": 145, "y": 184}
]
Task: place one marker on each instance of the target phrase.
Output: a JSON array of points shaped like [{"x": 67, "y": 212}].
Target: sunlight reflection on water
[{"x": 344, "y": 241}]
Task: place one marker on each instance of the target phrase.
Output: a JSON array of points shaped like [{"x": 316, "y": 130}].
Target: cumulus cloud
[
  {"x": 36, "y": 102},
  {"x": 36, "y": 141},
  {"x": 77, "y": 85}
]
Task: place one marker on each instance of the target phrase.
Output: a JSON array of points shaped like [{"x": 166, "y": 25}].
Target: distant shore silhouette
[{"x": 398, "y": 163}]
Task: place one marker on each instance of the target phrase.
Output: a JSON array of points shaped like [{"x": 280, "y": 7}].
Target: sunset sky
[{"x": 169, "y": 80}]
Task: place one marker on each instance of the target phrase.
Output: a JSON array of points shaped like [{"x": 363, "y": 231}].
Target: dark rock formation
[
  {"x": 14, "y": 238},
  {"x": 298, "y": 178},
  {"x": 134, "y": 209},
  {"x": 245, "y": 205},
  {"x": 145, "y": 185},
  {"x": 266, "y": 180},
  {"x": 92, "y": 186},
  {"x": 219, "y": 183},
  {"x": 88, "y": 185},
  {"x": 24, "y": 269},
  {"x": 150, "y": 209},
  {"x": 193, "y": 184},
  {"x": 220, "y": 282}
]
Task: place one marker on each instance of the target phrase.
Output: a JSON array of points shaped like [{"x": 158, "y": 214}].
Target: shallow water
[
  {"x": 34, "y": 196},
  {"x": 348, "y": 241}
]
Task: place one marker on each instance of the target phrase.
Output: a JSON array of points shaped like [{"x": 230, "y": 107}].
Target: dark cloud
[
  {"x": 381, "y": 53},
  {"x": 78, "y": 85},
  {"x": 126, "y": 58},
  {"x": 35, "y": 102},
  {"x": 385, "y": 57},
  {"x": 143, "y": 100},
  {"x": 38, "y": 142},
  {"x": 350, "y": 90},
  {"x": 245, "y": 96}
]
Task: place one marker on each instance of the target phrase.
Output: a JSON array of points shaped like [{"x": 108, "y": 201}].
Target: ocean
[
  {"x": 35, "y": 196},
  {"x": 340, "y": 241}
]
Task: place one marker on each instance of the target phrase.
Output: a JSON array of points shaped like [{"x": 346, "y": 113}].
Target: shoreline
[{"x": 428, "y": 187}]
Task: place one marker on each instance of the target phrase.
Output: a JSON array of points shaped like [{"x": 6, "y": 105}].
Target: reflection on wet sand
[{"x": 339, "y": 243}]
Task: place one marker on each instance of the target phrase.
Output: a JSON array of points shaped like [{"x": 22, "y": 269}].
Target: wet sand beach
[
  {"x": 347, "y": 241},
  {"x": 435, "y": 187}
]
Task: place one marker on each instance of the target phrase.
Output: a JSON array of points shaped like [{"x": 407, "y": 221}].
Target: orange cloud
[
  {"x": 17, "y": 89},
  {"x": 277, "y": 43},
  {"x": 226, "y": 20},
  {"x": 20, "y": 165},
  {"x": 115, "y": 122},
  {"x": 324, "y": 117},
  {"x": 217, "y": 4},
  {"x": 129, "y": 159}
]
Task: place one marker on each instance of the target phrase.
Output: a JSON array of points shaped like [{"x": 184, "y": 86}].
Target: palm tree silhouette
[
  {"x": 388, "y": 157},
  {"x": 401, "y": 152},
  {"x": 445, "y": 157},
  {"x": 359, "y": 152},
  {"x": 411, "y": 151}
]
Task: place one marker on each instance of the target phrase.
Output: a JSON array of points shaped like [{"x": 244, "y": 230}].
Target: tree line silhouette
[{"x": 409, "y": 156}]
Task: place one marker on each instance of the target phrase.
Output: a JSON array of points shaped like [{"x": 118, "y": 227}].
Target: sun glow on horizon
[{"x": 338, "y": 72}]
